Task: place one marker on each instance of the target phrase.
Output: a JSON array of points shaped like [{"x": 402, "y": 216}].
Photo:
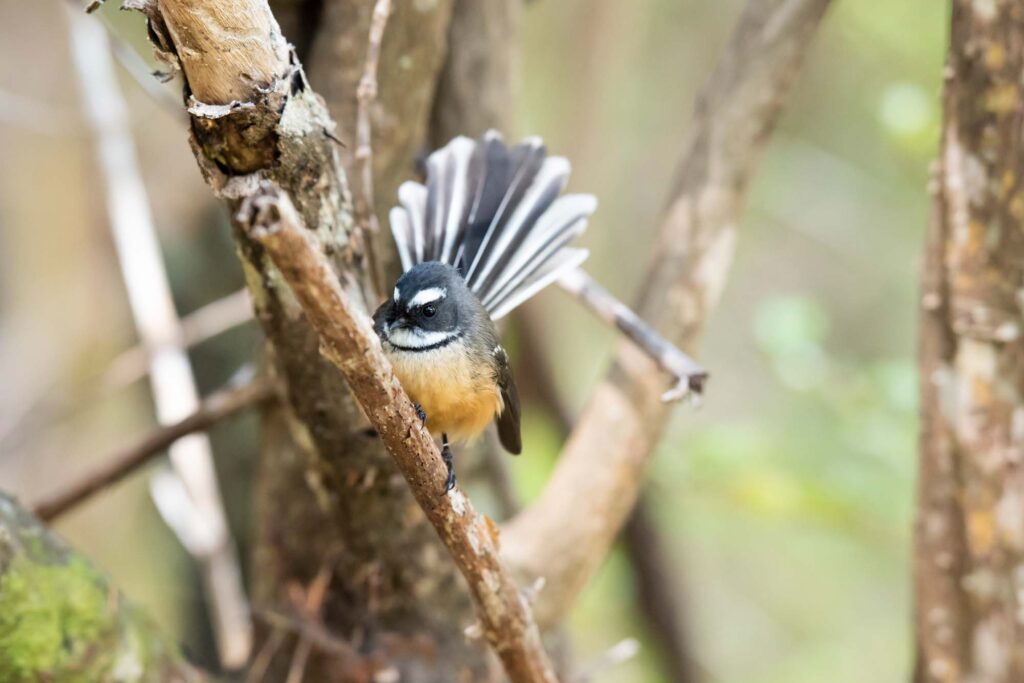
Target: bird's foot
[
  {"x": 422, "y": 413},
  {"x": 449, "y": 461}
]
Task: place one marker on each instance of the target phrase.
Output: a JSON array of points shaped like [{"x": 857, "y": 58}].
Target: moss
[{"x": 54, "y": 621}]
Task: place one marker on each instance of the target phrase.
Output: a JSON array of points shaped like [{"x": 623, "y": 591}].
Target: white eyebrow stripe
[
  {"x": 429, "y": 295},
  {"x": 397, "y": 295}
]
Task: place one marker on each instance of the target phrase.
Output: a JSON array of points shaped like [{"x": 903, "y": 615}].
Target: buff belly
[{"x": 459, "y": 398}]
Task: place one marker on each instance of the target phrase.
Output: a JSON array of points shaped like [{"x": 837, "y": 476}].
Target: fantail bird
[{"x": 487, "y": 232}]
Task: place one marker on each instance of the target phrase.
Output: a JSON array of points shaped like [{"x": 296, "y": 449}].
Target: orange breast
[{"x": 459, "y": 398}]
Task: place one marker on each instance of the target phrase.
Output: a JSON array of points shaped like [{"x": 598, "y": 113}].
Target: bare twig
[
  {"x": 215, "y": 408},
  {"x": 566, "y": 533},
  {"x": 689, "y": 376},
  {"x": 149, "y": 295},
  {"x": 206, "y": 322},
  {"x": 366, "y": 94},
  {"x": 348, "y": 340},
  {"x": 57, "y": 402}
]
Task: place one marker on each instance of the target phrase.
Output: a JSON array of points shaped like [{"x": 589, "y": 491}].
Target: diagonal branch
[
  {"x": 688, "y": 375},
  {"x": 566, "y": 533},
  {"x": 212, "y": 410},
  {"x": 348, "y": 340}
]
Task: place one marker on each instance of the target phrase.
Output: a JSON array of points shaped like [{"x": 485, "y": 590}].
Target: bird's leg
[
  {"x": 449, "y": 461},
  {"x": 422, "y": 414}
]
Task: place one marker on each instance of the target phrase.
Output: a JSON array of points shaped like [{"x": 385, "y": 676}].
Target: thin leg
[{"x": 449, "y": 460}]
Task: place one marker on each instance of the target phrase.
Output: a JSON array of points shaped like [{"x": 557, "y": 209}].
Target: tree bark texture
[
  {"x": 566, "y": 534},
  {"x": 328, "y": 493},
  {"x": 61, "y": 620},
  {"x": 970, "y": 527}
]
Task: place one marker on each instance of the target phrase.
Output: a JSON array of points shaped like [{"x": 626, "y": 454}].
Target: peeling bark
[
  {"x": 61, "y": 620},
  {"x": 970, "y": 527}
]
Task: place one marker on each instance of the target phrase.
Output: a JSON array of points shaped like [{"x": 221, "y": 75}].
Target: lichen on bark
[
  {"x": 61, "y": 620},
  {"x": 970, "y": 534}
]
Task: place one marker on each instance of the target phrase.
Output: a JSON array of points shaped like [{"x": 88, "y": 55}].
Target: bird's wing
[{"x": 508, "y": 420}]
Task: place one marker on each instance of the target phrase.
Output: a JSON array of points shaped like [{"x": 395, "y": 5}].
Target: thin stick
[
  {"x": 56, "y": 403},
  {"x": 149, "y": 296},
  {"x": 217, "y": 407},
  {"x": 347, "y": 339},
  {"x": 366, "y": 93},
  {"x": 203, "y": 324},
  {"x": 689, "y": 375}
]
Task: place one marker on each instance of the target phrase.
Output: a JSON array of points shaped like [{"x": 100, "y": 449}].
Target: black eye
[{"x": 430, "y": 310}]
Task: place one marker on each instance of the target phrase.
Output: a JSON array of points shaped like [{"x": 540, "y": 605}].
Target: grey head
[{"x": 431, "y": 307}]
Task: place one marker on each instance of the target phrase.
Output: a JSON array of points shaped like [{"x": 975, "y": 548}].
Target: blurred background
[{"x": 785, "y": 501}]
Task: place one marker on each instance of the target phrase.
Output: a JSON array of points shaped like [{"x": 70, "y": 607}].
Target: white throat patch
[
  {"x": 416, "y": 338},
  {"x": 428, "y": 296}
]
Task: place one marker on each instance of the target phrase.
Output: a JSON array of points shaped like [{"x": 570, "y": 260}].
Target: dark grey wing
[{"x": 508, "y": 421}]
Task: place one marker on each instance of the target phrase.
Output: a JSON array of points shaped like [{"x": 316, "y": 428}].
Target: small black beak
[{"x": 399, "y": 323}]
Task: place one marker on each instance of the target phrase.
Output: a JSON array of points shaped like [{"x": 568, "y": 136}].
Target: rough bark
[
  {"x": 970, "y": 528},
  {"x": 565, "y": 535},
  {"x": 358, "y": 518},
  {"x": 61, "y": 620}
]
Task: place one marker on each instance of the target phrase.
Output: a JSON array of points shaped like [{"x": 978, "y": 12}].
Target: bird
[{"x": 489, "y": 229}]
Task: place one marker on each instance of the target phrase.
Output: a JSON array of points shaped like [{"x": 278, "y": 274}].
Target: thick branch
[
  {"x": 212, "y": 410},
  {"x": 61, "y": 620},
  {"x": 348, "y": 340},
  {"x": 565, "y": 535}
]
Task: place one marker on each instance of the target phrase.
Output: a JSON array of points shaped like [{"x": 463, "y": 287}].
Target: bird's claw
[
  {"x": 421, "y": 413},
  {"x": 449, "y": 461}
]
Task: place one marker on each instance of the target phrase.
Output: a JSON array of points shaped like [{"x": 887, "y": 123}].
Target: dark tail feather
[{"x": 495, "y": 214}]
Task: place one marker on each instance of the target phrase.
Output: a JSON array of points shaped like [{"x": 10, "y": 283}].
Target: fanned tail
[{"x": 495, "y": 214}]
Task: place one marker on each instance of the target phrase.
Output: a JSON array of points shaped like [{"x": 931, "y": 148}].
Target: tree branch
[
  {"x": 689, "y": 376},
  {"x": 217, "y": 407},
  {"x": 348, "y": 340},
  {"x": 969, "y": 537},
  {"x": 61, "y": 619},
  {"x": 566, "y": 533},
  {"x": 366, "y": 94}
]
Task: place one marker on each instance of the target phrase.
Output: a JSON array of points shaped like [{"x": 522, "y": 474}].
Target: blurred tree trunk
[{"x": 970, "y": 527}]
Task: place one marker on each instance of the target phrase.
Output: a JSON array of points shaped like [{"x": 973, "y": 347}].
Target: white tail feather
[{"x": 494, "y": 213}]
